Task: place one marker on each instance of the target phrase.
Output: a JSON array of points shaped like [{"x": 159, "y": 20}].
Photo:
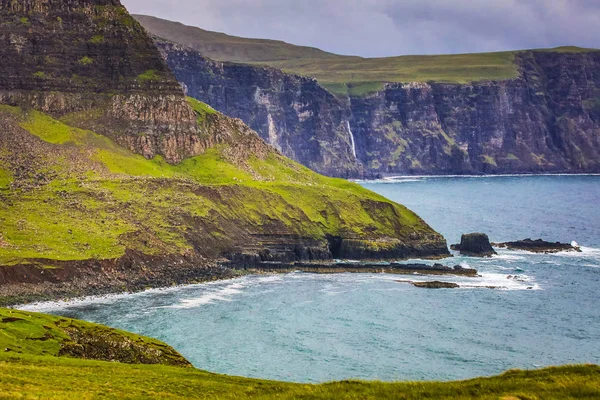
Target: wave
[
  {"x": 408, "y": 178},
  {"x": 390, "y": 180},
  {"x": 223, "y": 294},
  {"x": 507, "y": 256},
  {"x": 489, "y": 280}
]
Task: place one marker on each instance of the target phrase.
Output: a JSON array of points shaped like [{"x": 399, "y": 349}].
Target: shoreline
[
  {"x": 388, "y": 178},
  {"x": 266, "y": 270}
]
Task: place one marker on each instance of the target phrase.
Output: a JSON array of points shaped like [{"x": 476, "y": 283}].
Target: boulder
[{"x": 475, "y": 245}]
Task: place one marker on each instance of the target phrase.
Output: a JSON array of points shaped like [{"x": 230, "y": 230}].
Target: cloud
[{"x": 374, "y": 28}]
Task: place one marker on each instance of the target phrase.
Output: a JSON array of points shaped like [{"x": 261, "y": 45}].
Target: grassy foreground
[
  {"x": 29, "y": 377},
  {"x": 36, "y": 366}
]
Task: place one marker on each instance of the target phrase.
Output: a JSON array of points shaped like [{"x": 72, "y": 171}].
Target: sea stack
[{"x": 475, "y": 245}]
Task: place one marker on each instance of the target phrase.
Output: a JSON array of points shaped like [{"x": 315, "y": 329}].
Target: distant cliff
[
  {"x": 546, "y": 119},
  {"x": 292, "y": 113}
]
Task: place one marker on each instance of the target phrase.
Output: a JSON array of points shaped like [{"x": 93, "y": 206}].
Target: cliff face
[
  {"x": 545, "y": 120},
  {"x": 89, "y": 61},
  {"x": 294, "y": 114}
]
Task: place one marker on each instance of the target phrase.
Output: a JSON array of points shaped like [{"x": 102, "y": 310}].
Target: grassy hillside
[
  {"x": 61, "y": 176},
  {"x": 224, "y": 47},
  {"x": 342, "y": 75},
  {"x": 31, "y": 334},
  {"x": 38, "y": 361}
]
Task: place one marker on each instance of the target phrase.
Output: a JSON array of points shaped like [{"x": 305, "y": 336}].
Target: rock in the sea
[
  {"x": 436, "y": 285},
  {"x": 538, "y": 246},
  {"x": 475, "y": 245}
]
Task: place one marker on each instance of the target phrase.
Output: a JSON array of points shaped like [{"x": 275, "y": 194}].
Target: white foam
[
  {"x": 223, "y": 294},
  {"x": 400, "y": 177},
  {"x": 492, "y": 280},
  {"x": 507, "y": 257},
  {"x": 112, "y": 298},
  {"x": 585, "y": 252}
]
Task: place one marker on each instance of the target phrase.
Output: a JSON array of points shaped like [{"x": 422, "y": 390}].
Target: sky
[{"x": 381, "y": 28}]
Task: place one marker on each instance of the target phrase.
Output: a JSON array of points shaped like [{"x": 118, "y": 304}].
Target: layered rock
[
  {"x": 294, "y": 114},
  {"x": 91, "y": 62},
  {"x": 547, "y": 119}
]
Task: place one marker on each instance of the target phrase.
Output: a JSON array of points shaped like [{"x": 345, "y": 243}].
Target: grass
[
  {"x": 32, "y": 334},
  {"x": 5, "y": 179},
  {"x": 129, "y": 202},
  {"x": 86, "y": 60},
  {"x": 31, "y": 377},
  {"x": 37, "y": 361},
  {"x": 343, "y": 75},
  {"x": 149, "y": 75}
]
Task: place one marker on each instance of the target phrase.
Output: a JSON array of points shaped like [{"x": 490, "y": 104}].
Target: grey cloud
[{"x": 391, "y": 27}]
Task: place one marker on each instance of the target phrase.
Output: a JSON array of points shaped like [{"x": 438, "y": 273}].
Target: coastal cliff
[
  {"x": 539, "y": 114},
  {"x": 112, "y": 180},
  {"x": 546, "y": 120},
  {"x": 292, "y": 113}
]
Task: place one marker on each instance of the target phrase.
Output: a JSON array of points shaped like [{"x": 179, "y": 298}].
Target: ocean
[{"x": 543, "y": 310}]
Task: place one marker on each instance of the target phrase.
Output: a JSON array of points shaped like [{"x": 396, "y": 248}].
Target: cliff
[
  {"x": 114, "y": 180},
  {"x": 292, "y": 113},
  {"x": 514, "y": 112},
  {"x": 546, "y": 120}
]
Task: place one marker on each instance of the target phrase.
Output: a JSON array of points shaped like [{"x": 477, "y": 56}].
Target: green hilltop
[
  {"x": 83, "y": 197},
  {"x": 342, "y": 75}
]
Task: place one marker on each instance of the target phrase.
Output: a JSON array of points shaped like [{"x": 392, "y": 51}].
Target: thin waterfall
[{"x": 352, "y": 140}]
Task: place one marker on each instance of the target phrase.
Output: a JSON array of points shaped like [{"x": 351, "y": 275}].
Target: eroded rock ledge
[
  {"x": 361, "y": 267},
  {"x": 538, "y": 246}
]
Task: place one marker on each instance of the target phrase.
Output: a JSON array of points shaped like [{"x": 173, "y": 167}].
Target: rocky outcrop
[
  {"x": 545, "y": 120},
  {"x": 292, "y": 113},
  {"x": 89, "y": 61},
  {"x": 355, "y": 267},
  {"x": 46, "y": 335},
  {"x": 538, "y": 246},
  {"x": 475, "y": 245},
  {"x": 436, "y": 285}
]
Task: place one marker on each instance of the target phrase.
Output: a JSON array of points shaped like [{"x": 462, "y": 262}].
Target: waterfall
[{"x": 352, "y": 140}]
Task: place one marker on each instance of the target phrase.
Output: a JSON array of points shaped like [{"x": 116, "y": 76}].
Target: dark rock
[
  {"x": 543, "y": 120},
  {"x": 538, "y": 246},
  {"x": 474, "y": 245},
  {"x": 436, "y": 285},
  {"x": 358, "y": 267},
  {"x": 447, "y": 285}
]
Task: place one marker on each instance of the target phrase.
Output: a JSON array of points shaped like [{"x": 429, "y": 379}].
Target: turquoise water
[{"x": 315, "y": 328}]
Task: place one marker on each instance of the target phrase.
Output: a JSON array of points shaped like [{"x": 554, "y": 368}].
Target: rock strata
[
  {"x": 538, "y": 246},
  {"x": 475, "y": 245},
  {"x": 360, "y": 267},
  {"x": 546, "y": 119}
]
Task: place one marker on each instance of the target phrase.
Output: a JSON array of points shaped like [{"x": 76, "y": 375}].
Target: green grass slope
[
  {"x": 224, "y": 47},
  {"x": 31, "y": 334},
  {"x": 342, "y": 75},
  {"x": 49, "y": 357},
  {"x": 71, "y": 194}
]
